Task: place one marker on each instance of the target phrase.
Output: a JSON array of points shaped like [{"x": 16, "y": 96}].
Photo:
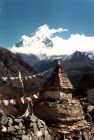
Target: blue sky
[{"x": 23, "y": 17}]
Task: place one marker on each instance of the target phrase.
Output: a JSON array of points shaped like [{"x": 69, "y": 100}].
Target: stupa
[
  {"x": 57, "y": 106},
  {"x": 57, "y": 86}
]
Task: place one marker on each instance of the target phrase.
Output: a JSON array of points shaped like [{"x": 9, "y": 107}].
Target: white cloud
[
  {"x": 74, "y": 43},
  {"x": 35, "y": 44},
  {"x": 44, "y": 31}
]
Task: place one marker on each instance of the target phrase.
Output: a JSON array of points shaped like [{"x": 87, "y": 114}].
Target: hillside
[{"x": 17, "y": 78}]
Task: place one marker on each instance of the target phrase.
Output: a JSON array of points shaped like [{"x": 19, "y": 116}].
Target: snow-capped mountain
[
  {"x": 76, "y": 65},
  {"x": 45, "y": 43},
  {"x": 30, "y": 41},
  {"x": 40, "y": 51},
  {"x": 75, "y": 57}
]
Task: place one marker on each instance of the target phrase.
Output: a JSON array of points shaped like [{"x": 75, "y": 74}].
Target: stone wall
[
  {"x": 58, "y": 95},
  {"x": 61, "y": 110},
  {"x": 25, "y": 128}
]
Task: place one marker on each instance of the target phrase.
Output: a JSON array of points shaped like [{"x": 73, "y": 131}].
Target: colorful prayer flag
[
  {"x": 22, "y": 100},
  {"x": 6, "y": 102},
  {"x": 13, "y": 101},
  {"x": 35, "y": 96},
  {"x": 29, "y": 99}
]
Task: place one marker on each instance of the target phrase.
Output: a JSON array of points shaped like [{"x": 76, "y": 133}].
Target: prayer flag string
[{"x": 22, "y": 100}]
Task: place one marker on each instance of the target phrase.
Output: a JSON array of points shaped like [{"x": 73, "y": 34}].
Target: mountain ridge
[{"x": 11, "y": 68}]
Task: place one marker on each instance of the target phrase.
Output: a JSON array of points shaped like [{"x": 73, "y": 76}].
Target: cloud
[
  {"x": 75, "y": 42},
  {"x": 35, "y": 44},
  {"x": 44, "y": 31}
]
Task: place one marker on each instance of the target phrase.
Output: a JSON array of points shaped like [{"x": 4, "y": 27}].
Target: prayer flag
[
  {"x": 13, "y": 101},
  {"x": 35, "y": 96},
  {"x": 29, "y": 99},
  {"x": 6, "y": 102},
  {"x": 22, "y": 100}
]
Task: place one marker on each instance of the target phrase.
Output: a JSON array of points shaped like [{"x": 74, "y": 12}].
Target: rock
[
  {"x": 11, "y": 129},
  {"x": 33, "y": 118},
  {"x": 28, "y": 131},
  {"x": 42, "y": 122},
  {"x": 17, "y": 120},
  {"x": 34, "y": 138},
  {"x": 21, "y": 125},
  {"x": 10, "y": 123},
  {"x": 30, "y": 128},
  {"x": 48, "y": 137},
  {"x": 4, "y": 129},
  {"x": 35, "y": 128},
  {"x": 45, "y": 127},
  {"x": 40, "y": 125},
  {"x": 20, "y": 132},
  {"x": 4, "y": 120},
  {"x": 16, "y": 127},
  {"x": 40, "y": 138},
  {"x": 10, "y": 119},
  {"x": 32, "y": 134},
  {"x": 43, "y": 131},
  {"x": 24, "y": 132},
  {"x": 39, "y": 134},
  {"x": 31, "y": 125},
  {"x": 26, "y": 137}
]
